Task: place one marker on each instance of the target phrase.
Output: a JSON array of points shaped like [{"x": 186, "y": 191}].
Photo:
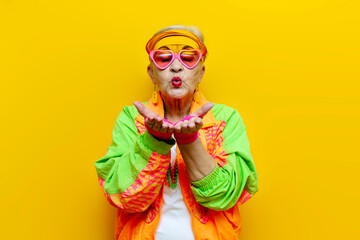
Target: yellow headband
[
  {"x": 165, "y": 36},
  {"x": 176, "y": 40}
]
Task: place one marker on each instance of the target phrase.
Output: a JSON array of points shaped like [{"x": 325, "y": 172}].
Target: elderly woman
[{"x": 178, "y": 167}]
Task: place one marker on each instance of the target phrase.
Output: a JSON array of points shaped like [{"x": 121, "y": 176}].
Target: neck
[{"x": 177, "y": 109}]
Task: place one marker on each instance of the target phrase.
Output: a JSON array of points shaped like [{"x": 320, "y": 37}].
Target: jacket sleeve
[
  {"x": 134, "y": 168},
  {"x": 234, "y": 179}
]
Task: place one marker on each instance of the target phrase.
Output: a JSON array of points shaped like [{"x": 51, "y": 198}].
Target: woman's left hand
[
  {"x": 187, "y": 129},
  {"x": 193, "y": 122}
]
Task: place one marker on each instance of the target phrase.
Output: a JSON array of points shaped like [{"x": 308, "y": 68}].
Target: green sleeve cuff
[
  {"x": 155, "y": 145},
  {"x": 209, "y": 181}
]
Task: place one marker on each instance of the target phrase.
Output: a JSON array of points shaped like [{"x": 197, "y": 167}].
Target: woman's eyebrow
[
  {"x": 187, "y": 47},
  {"x": 167, "y": 48}
]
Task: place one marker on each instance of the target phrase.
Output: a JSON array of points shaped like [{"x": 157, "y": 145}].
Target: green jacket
[{"x": 133, "y": 172}]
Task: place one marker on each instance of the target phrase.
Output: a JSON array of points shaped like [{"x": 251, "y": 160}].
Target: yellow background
[{"x": 291, "y": 68}]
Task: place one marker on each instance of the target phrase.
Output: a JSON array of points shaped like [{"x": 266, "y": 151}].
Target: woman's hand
[
  {"x": 186, "y": 130},
  {"x": 156, "y": 125}
]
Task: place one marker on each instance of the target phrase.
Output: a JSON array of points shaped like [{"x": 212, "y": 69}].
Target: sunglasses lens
[
  {"x": 162, "y": 58},
  {"x": 190, "y": 58}
]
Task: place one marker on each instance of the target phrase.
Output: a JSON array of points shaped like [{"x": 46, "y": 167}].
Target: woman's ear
[
  {"x": 202, "y": 73},
  {"x": 151, "y": 73}
]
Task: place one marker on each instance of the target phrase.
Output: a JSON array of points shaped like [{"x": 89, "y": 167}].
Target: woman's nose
[{"x": 176, "y": 66}]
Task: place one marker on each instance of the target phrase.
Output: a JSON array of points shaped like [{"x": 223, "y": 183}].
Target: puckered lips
[{"x": 176, "y": 82}]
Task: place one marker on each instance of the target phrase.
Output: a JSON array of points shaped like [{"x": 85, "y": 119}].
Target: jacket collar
[{"x": 158, "y": 108}]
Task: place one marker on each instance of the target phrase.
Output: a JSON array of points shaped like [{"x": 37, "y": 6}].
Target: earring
[
  {"x": 197, "y": 97},
  {"x": 154, "y": 97}
]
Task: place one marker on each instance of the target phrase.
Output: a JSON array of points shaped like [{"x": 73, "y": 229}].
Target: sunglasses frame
[{"x": 152, "y": 52}]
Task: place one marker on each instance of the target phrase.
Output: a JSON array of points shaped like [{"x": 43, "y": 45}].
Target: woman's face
[{"x": 164, "y": 79}]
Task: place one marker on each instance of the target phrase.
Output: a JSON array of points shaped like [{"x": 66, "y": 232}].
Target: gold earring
[
  {"x": 154, "y": 95},
  {"x": 197, "y": 97}
]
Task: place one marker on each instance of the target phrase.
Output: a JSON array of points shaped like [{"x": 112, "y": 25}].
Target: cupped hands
[{"x": 185, "y": 131}]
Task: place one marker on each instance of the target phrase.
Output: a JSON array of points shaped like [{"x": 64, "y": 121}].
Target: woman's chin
[{"x": 177, "y": 93}]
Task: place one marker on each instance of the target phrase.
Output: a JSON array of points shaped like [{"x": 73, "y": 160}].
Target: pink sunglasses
[{"x": 163, "y": 58}]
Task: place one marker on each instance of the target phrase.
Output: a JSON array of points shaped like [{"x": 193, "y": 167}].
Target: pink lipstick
[{"x": 176, "y": 82}]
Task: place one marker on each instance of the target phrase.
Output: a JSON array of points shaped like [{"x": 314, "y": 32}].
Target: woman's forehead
[{"x": 175, "y": 47}]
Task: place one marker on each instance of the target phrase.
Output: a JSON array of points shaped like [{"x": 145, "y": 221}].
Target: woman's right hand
[{"x": 156, "y": 125}]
